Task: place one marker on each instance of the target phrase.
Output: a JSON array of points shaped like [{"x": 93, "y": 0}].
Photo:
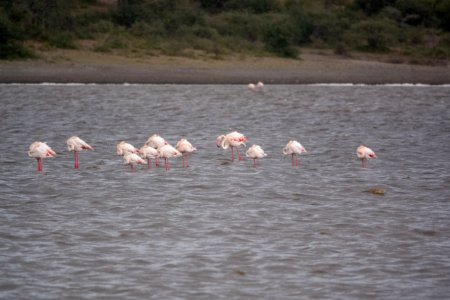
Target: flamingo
[
  {"x": 132, "y": 159},
  {"x": 259, "y": 87},
  {"x": 166, "y": 152},
  {"x": 156, "y": 142},
  {"x": 124, "y": 147},
  {"x": 255, "y": 152},
  {"x": 40, "y": 150},
  {"x": 364, "y": 153},
  {"x": 294, "y": 148},
  {"x": 148, "y": 153},
  {"x": 76, "y": 145},
  {"x": 185, "y": 147},
  {"x": 233, "y": 140}
]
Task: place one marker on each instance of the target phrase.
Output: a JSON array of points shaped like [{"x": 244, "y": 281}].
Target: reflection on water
[{"x": 219, "y": 229}]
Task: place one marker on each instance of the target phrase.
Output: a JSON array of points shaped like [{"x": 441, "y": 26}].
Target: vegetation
[{"x": 418, "y": 28}]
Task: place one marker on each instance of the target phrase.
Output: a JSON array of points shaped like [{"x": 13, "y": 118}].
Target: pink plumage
[
  {"x": 40, "y": 150},
  {"x": 166, "y": 152},
  {"x": 185, "y": 147},
  {"x": 124, "y": 147},
  {"x": 232, "y": 140},
  {"x": 294, "y": 149},
  {"x": 255, "y": 152},
  {"x": 148, "y": 153},
  {"x": 132, "y": 159},
  {"x": 364, "y": 153},
  {"x": 75, "y": 144}
]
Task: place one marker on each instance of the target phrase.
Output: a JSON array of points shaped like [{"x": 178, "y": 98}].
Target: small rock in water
[
  {"x": 242, "y": 273},
  {"x": 378, "y": 191},
  {"x": 94, "y": 167}
]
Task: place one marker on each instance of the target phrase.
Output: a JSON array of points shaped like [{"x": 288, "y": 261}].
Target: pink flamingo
[
  {"x": 364, "y": 153},
  {"x": 166, "y": 152},
  {"x": 294, "y": 148},
  {"x": 259, "y": 87},
  {"x": 76, "y": 145},
  {"x": 148, "y": 153},
  {"x": 132, "y": 159},
  {"x": 156, "y": 141},
  {"x": 185, "y": 147},
  {"x": 255, "y": 152},
  {"x": 40, "y": 150},
  {"x": 124, "y": 147},
  {"x": 233, "y": 140}
]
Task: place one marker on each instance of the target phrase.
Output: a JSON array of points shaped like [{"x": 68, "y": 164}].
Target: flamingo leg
[
  {"x": 232, "y": 153},
  {"x": 149, "y": 163},
  {"x": 166, "y": 164},
  {"x": 254, "y": 162},
  {"x": 292, "y": 159},
  {"x": 39, "y": 161},
  {"x": 132, "y": 168},
  {"x": 157, "y": 162},
  {"x": 296, "y": 161},
  {"x": 239, "y": 154},
  {"x": 187, "y": 160},
  {"x": 363, "y": 163},
  {"x": 75, "y": 159}
]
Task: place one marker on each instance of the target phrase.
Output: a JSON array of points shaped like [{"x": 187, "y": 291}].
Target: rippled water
[{"x": 219, "y": 229}]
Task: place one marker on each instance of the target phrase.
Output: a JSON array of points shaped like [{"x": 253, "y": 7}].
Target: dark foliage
[{"x": 221, "y": 26}]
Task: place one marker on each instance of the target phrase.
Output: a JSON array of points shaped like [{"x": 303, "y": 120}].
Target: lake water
[{"x": 222, "y": 230}]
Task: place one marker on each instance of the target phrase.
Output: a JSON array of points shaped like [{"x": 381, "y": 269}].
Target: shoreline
[{"x": 75, "y": 67}]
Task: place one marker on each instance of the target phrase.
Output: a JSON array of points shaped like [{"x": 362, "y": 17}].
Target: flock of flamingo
[{"x": 157, "y": 147}]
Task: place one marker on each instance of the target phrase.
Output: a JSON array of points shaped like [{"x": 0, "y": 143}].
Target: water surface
[{"x": 219, "y": 229}]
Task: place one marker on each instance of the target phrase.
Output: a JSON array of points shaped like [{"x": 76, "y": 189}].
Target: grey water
[{"x": 223, "y": 230}]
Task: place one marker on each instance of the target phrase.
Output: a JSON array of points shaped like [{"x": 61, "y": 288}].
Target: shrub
[
  {"x": 373, "y": 35},
  {"x": 240, "y": 24},
  {"x": 64, "y": 40},
  {"x": 11, "y": 46},
  {"x": 253, "y": 6},
  {"x": 101, "y": 26},
  {"x": 278, "y": 38}
]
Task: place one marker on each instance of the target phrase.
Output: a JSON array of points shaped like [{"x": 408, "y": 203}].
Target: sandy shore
[{"x": 89, "y": 67}]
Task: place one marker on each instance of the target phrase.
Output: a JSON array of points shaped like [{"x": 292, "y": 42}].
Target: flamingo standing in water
[
  {"x": 233, "y": 140},
  {"x": 76, "y": 145},
  {"x": 294, "y": 148},
  {"x": 255, "y": 152},
  {"x": 259, "y": 87},
  {"x": 132, "y": 159},
  {"x": 364, "y": 153},
  {"x": 166, "y": 152},
  {"x": 156, "y": 142},
  {"x": 124, "y": 147},
  {"x": 185, "y": 147},
  {"x": 148, "y": 153},
  {"x": 40, "y": 150}
]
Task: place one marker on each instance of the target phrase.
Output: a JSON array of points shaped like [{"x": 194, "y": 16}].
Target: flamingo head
[{"x": 219, "y": 141}]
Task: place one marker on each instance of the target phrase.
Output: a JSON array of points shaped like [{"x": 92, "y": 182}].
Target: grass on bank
[{"x": 414, "y": 30}]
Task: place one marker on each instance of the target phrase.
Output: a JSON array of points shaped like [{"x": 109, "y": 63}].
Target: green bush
[
  {"x": 253, "y": 6},
  {"x": 65, "y": 40},
  {"x": 102, "y": 26},
  {"x": 220, "y": 26},
  {"x": 11, "y": 46},
  {"x": 373, "y": 35},
  {"x": 278, "y": 38}
]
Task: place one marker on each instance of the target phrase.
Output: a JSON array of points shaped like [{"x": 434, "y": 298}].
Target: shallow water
[{"x": 219, "y": 229}]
